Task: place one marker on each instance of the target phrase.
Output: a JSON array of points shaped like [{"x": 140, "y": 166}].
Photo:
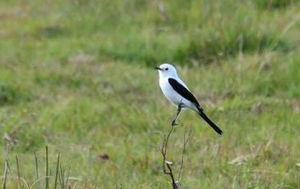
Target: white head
[{"x": 166, "y": 70}]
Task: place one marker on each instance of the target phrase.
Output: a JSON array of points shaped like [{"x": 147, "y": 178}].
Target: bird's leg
[{"x": 178, "y": 112}]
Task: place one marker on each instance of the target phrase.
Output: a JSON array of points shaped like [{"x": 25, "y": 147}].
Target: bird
[{"x": 176, "y": 91}]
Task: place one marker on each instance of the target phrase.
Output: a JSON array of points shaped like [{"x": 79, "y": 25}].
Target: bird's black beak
[{"x": 158, "y": 68}]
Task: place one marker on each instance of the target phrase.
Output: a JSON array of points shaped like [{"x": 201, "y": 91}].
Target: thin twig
[
  {"x": 167, "y": 163},
  {"x": 164, "y": 149}
]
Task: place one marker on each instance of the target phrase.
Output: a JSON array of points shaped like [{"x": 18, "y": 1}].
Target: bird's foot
[{"x": 174, "y": 123}]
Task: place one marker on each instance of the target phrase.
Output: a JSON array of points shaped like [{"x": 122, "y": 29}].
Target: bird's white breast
[
  {"x": 172, "y": 95},
  {"x": 169, "y": 92}
]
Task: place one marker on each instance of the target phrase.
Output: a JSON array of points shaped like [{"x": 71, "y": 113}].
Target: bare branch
[{"x": 167, "y": 164}]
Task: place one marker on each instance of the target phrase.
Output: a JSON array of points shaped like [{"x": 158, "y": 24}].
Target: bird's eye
[{"x": 167, "y": 69}]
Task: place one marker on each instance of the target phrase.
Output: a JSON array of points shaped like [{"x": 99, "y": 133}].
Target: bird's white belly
[{"x": 172, "y": 95}]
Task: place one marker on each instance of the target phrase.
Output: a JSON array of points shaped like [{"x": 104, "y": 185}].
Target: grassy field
[{"x": 77, "y": 76}]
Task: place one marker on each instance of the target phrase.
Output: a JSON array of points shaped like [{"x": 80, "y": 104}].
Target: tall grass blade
[
  {"x": 62, "y": 177},
  {"x": 5, "y": 174},
  {"x": 18, "y": 172},
  {"x": 47, "y": 169},
  {"x": 36, "y": 167},
  {"x": 57, "y": 170}
]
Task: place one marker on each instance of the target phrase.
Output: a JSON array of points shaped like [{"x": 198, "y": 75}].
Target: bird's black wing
[{"x": 184, "y": 92}]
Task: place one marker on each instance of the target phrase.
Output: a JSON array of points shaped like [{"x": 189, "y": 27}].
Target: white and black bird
[{"x": 179, "y": 94}]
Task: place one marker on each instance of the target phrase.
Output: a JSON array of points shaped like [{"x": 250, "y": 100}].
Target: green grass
[{"x": 77, "y": 76}]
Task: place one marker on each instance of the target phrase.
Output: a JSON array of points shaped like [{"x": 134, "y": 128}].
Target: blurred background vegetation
[{"x": 77, "y": 75}]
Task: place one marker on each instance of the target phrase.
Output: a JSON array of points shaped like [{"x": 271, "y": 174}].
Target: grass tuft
[
  {"x": 275, "y": 4},
  {"x": 10, "y": 94}
]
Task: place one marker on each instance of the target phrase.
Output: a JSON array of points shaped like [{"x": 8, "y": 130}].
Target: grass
[{"x": 77, "y": 76}]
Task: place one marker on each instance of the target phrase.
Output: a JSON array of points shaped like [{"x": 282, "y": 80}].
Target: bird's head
[{"x": 166, "y": 70}]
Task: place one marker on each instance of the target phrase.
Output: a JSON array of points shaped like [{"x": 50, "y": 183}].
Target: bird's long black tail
[{"x": 212, "y": 124}]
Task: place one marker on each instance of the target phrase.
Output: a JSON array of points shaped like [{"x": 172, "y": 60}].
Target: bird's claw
[{"x": 174, "y": 123}]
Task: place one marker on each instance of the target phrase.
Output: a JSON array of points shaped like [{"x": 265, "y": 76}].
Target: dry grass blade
[{"x": 5, "y": 174}]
